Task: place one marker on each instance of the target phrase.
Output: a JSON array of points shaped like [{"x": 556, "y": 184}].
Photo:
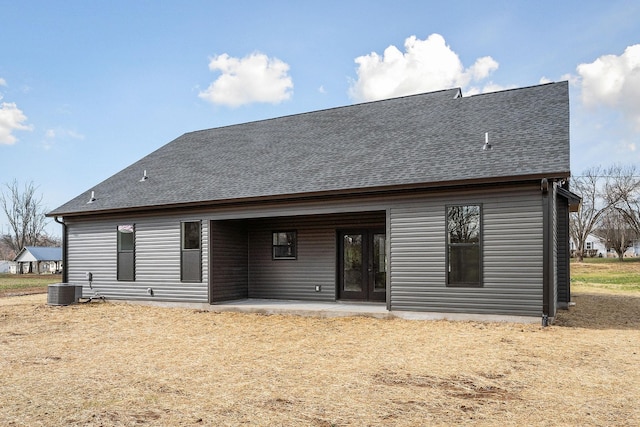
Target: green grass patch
[
  {"x": 578, "y": 285},
  {"x": 630, "y": 260},
  {"x": 606, "y": 274},
  {"x": 27, "y": 281}
]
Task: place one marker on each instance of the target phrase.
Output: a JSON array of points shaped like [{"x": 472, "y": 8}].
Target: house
[
  {"x": 38, "y": 259},
  {"x": 593, "y": 247},
  {"x": 421, "y": 203}
]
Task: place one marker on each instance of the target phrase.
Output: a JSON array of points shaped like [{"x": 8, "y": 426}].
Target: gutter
[{"x": 65, "y": 274}]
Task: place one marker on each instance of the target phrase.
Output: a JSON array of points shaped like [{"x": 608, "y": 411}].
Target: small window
[
  {"x": 284, "y": 245},
  {"x": 588, "y": 246},
  {"x": 464, "y": 251},
  {"x": 190, "y": 252},
  {"x": 126, "y": 269}
]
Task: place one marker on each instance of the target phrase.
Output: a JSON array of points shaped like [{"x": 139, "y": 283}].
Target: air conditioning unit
[{"x": 63, "y": 294}]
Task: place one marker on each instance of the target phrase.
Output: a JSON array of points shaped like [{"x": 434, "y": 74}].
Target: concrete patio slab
[{"x": 335, "y": 309}]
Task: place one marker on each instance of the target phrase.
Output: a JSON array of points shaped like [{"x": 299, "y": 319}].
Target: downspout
[
  {"x": 546, "y": 242},
  {"x": 65, "y": 274}
]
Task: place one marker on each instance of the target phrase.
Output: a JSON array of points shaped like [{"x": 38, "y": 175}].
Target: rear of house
[{"x": 432, "y": 202}]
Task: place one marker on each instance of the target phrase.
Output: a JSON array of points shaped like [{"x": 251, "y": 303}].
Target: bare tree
[
  {"x": 622, "y": 191},
  {"x": 616, "y": 232},
  {"x": 584, "y": 222},
  {"x": 5, "y": 251},
  {"x": 25, "y": 213}
]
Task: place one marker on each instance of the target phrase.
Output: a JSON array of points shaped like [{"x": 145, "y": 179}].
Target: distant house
[
  {"x": 37, "y": 259},
  {"x": 420, "y": 203},
  {"x": 593, "y": 247}
]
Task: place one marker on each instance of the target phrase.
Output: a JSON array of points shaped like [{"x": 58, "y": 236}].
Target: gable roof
[
  {"x": 430, "y": 139},
  {"x": 39, "y": 253}
]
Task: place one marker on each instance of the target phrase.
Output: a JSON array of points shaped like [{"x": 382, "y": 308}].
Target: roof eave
[{"x": 381, "y": 190}]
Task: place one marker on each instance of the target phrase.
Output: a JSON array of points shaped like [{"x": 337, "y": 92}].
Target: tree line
[{"x": 610, "y": 208}]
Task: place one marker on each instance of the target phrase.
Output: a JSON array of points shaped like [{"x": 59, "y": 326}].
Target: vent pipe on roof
[
  {"x": 92, "y": 198},
  {"x": 144, "y": 176},
  {"x": 486, "y": 145}
]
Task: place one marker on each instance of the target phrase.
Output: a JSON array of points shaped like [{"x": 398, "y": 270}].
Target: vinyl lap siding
[
  {"x": 293, "y": 279},
  {"x": 563, "y": 252},
  {"x": 316, "y": 260},
  {"x": 553, "y": 304},
  {"x": 512, "y": 256},
  {"x": 92, "y": 248},
  {"x": 229, "y": 263}
]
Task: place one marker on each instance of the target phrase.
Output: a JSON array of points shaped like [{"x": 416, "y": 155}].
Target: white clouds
[
  {"x": 614, "y": 81},
  {"x": 61, "y": 133},
  {"x": 426, "y": 65},
  {"x": 57, "y": 134},
  {"x": 254, "y": 78},
  {"x": 11, "y": 118},
  {"x": 487, "y": 87}
]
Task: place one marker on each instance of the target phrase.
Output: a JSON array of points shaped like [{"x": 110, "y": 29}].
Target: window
[
  {"x": 284, "y": 245},
  {"x": 190, "y": 252},
  {"x": 126, "y": 269},
  {"x": 588, "y": 246},
  {"x": 464, "y": 250}
]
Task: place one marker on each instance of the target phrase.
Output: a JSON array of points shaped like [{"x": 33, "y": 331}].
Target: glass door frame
[{"x": 368, "y": 273}]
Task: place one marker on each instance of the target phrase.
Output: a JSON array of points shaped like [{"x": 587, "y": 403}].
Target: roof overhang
[
  {"x": 326, "y": 195},
  {"x": 573, "y": 199}
]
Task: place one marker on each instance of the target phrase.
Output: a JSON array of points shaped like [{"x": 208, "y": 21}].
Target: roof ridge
[
  {"x": 339, "y": 107},
  {"x": 519, "y": 88}
]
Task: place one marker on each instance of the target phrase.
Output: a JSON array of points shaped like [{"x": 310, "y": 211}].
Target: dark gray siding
[
  {"x": 316, "y": 261},
  {"x": 92, "y": 248},
  {"x": 229, "y": 261},
  {"x": 242, "y": 264},
  {"x": 564, "y": 293},
  {"x": 553, "y": 303},
  {"x": 512, "y": 255}
]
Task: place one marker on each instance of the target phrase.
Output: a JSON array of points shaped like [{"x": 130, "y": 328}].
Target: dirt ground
[{"x": 104, "y": 364}]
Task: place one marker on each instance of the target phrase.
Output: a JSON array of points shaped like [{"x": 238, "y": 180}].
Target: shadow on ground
[{"x": 601, "y": 311}]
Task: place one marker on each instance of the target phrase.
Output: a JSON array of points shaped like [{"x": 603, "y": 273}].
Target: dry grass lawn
[{"x": 104, "y": 364}]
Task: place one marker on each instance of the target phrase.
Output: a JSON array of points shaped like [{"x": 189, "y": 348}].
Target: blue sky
[{"x": 89, "y": 87}]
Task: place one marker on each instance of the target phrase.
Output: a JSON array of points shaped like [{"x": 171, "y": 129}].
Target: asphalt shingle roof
[{"x": 433, "y": 138}]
